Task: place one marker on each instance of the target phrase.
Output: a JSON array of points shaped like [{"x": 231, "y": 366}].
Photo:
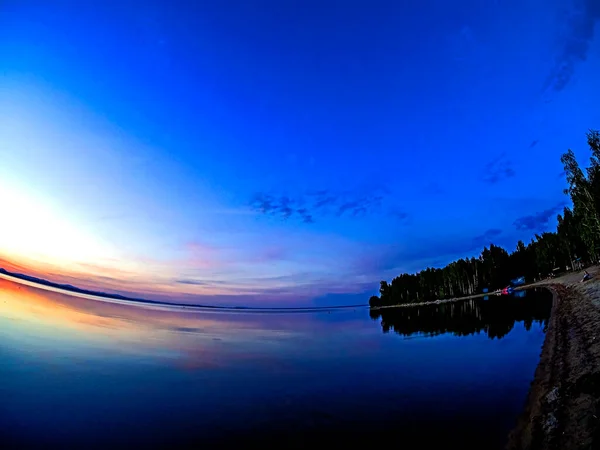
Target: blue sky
[{"x": 284, "y": 152}]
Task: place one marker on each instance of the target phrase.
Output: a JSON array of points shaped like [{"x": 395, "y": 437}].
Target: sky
[{"x": 283, "y": 153}]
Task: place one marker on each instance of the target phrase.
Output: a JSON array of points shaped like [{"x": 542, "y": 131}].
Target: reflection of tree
[{"x": 496, "y": 316}]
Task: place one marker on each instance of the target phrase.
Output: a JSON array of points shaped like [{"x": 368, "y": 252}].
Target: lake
[{"x": 80, "y": 372}]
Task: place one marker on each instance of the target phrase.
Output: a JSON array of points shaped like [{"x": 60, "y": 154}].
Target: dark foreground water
[{"x": 83, "y": 373}]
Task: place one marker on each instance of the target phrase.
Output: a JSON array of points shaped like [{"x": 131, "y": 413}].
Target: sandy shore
[{"x": 562, "y": 410}]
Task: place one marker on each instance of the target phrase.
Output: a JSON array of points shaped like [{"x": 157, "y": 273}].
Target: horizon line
[{"x": 75, "y": 291}]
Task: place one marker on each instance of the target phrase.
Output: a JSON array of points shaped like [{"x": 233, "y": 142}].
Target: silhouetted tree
[{"x": 577, "y": 236}]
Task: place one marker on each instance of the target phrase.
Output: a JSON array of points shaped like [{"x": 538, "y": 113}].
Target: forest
[{"x": 575, "y": 241}]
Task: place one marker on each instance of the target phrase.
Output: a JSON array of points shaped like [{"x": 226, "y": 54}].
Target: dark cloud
[
  {"x": 359, "y": 206},
  {"x": 193, "y": 282},
  {"x": 354, "y": 206},
  {"x": 401, "y": 216},
  {"x": 534, "y": 143},
  {"x": 486, "y": 238},
  {"x": 263, "y": 203},
  {"x": 281, "y": 206},
  {"x": 579, "y": 23},
  {"x": 305, "y": 215},
  {"x": 537, "y": 221},
  {"x": 187, "y": 329},
  {"x": 285, "y": 207},
  {"x": 323, "y": 199},
  {"x": 199, "y": 282},
  {"x": 497, "y": 170},
  {"x": 318, "y": 203}
]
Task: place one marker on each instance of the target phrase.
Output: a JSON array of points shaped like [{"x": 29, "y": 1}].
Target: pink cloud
[
  {"x": 201, "y": 255},
  {"x": 270, "y": 255}
]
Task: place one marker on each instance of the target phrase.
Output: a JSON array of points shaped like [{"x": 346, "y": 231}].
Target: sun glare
[{"x": 31, "y": 228}]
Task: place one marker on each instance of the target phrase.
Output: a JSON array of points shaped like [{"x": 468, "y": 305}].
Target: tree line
[{"x": 576, "y": 240}]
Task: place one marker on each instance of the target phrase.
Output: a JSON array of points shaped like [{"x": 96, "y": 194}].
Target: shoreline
[
  {"x": 436, "y": 302},
  {"x": 562, "y": 409},
  {"x": 458, "y": 299}
]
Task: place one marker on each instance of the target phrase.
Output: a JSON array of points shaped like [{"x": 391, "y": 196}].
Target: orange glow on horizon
[
  {"x": 191, "y": 340},
  {"x": 151, "y": 286}
]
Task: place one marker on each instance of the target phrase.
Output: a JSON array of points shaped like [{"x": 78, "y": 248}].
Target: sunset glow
[
  {"x": 31, "y": 227},
  {"x": 251, "y": 163}
]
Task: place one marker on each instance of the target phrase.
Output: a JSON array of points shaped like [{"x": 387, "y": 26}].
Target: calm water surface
[{"x": 77, "y": 372}]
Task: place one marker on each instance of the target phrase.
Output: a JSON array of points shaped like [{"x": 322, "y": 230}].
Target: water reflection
[
  {"x": 494, "y": 316},
  {"x": 82, "y": 373},
  {"x": 189, "y": 339}
]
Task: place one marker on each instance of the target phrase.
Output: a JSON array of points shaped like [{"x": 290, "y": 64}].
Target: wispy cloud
[
  {"x": 201, "y": 255},
  {"x": 217, "y": 260},
  {"x": 487, "y": 237},
  {"x": 323, "y": 203},
  {"x": 498, "y": 169},
  {"x": 400, "y": 216},
  {"x": 192, "y": 282},
  {"x": 578, "y": 34},
  {"x": 280, "y": 206},
  {"x": 269, "y": 255},
  {"x": 539, "y": 220}
]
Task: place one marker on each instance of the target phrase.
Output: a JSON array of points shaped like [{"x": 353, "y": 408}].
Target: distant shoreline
[
  {"x": 73, "y": 291},
  {"x": 433, "y": 302},
  {"x": 447, "y": 300}
]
